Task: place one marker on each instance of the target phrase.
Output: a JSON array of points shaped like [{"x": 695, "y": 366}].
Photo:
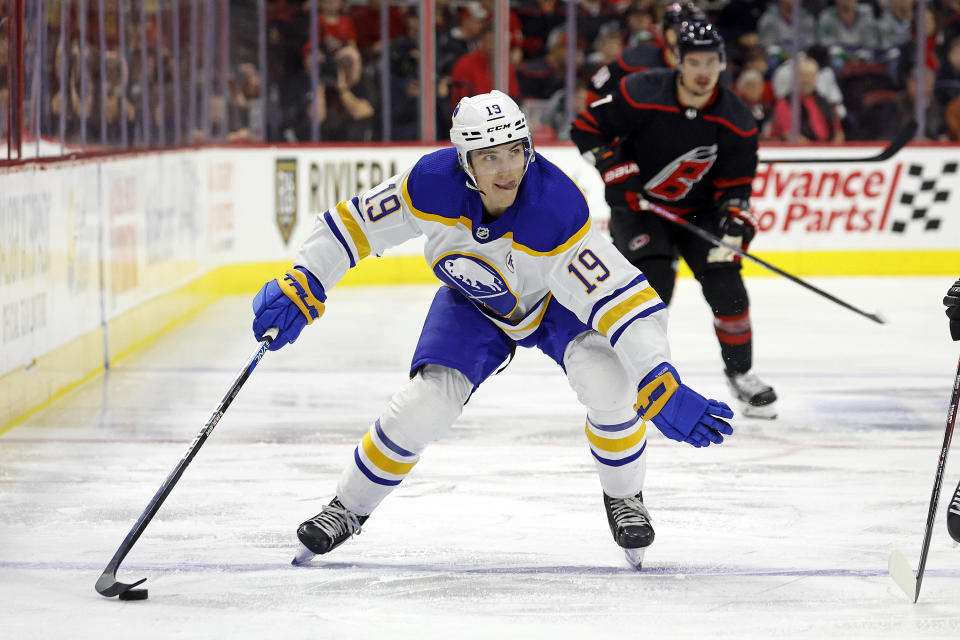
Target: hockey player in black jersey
[
  {"x": 643, "y": 56},
  {"x": 679, "y": 139}
]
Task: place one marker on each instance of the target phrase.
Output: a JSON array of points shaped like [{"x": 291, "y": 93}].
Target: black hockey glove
[
  {"x": 619, "y": 173},
  {"x": 952, "y": 300},
  {"x": 737, "y": 221}
]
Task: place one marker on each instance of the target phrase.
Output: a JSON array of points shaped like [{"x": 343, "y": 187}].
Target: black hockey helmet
[
  {"x": 678, "y": 14},
  {"x": 701, "y": 36}
]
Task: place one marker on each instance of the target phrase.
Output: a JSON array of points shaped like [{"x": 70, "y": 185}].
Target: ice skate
[
  {"x": 630, "y": 525},
  {"x": 327, "y": 530},
  {"x": 758, "y": 399}
]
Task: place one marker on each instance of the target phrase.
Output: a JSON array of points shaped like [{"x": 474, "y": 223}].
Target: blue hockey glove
[
  {"x": 679, "y": 412},
  {"x": 952, "y": 302},
  {"x": 289, "y": 303}
]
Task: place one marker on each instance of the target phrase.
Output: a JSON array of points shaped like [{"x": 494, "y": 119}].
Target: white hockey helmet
[{"x": 488, "y": 120}]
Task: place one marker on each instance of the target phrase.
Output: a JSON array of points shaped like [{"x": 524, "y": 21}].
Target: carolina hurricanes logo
[
  {"x": 638, "y": 242},
  {"x": 677, "y": 178},
  {"x": 477, "y": 279}
]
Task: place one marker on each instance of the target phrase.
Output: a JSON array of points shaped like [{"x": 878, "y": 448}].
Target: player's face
[
  {"x": 498, "y": 171},
  {"x": 700, "y": 71}
]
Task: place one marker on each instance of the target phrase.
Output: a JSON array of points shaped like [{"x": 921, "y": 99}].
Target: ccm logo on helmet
[{"x": 498, "y": 127}]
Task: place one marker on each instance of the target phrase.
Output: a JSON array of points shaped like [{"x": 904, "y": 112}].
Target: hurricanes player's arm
[
  {"x": 604, "y": 120},
  {"x": 733, "y": 181}
]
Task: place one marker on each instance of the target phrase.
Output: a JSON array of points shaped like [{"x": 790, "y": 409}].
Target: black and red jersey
[
  {"x": 639, "y": 57},
  {"x": 682, "y": 158}
]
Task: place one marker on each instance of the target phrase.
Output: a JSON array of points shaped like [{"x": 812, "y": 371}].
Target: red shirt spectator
[
  {"x": 473, "y": 72},
  {"x": 334, "y": 29}
]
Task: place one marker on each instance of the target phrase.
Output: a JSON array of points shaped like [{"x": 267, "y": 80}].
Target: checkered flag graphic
[{"x": 919, "y": 195}]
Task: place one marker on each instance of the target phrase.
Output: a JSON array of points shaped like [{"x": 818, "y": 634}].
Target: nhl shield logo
[
  {"x": 483, "y": 233},
  {"x": 286, "y": 196},
  {"x": 477, "y": 279}
]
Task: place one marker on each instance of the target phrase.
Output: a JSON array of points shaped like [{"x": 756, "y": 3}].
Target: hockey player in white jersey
[{"x": 509, "y": 236}]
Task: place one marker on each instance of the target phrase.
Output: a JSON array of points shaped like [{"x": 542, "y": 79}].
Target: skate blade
[
  {"x": 635, "y": 557},
  {"x": 303, "y": 556},
  {"x": 765, "y": 412}
]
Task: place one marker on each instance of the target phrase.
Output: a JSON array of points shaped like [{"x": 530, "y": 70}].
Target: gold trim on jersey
[
  {"x": 359, "y": 237},
  {"x": 574, "y": 239},
  {"x": 432, "y": 217},
  {"x": 611, "y": 317}
]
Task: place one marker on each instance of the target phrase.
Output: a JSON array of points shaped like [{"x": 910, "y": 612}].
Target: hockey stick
[
  {"x": 898, "y": 566},
  {"x": 709, "y": 237},
  {"x": 899, "y": 141},
  {"x": 107, "y": 585}
]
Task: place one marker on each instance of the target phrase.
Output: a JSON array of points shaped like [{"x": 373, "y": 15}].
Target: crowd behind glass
[{"x": 115, "y": 74}]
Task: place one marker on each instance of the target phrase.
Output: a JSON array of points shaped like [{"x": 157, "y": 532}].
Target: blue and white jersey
[{"x": 540, "y": 251}]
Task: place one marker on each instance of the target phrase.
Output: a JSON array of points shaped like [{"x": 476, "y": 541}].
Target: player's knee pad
[
  {"x": 597, "y": 375},
  {"x": 724, "y": 291},
  {"x": 423, "y": 409}
]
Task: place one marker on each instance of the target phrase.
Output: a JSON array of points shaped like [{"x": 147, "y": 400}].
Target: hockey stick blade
[
  {"x": 903, "y": 574},
  {"x": 898, "y": 142},
  {"x": 107, "y": 584}
]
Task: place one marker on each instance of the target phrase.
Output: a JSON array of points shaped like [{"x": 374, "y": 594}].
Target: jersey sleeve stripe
[
  {"x": 585, "y": 127},
  {"x": 618, "y": 312},
  {"x": 733, "y": 182},
  {"x": 339, "y": 236},
  {"x": 574, "y": 239},
  {"x": 356, "y": 233},
  {"x": 356, "y": 205},
  {"x": 730, "y": 125},
  {"x": 643, "y": 314},
  {"x": 603, "y": 301},
  {"x": 586, "y": 115},
  {"x": 431, "y": 217},
  {"x": 640, "y": 105}
]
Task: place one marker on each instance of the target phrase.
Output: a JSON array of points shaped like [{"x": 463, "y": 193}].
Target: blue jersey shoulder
[
  {"x": 552, "y": 209},
  {"x": 436, "y": 184}
]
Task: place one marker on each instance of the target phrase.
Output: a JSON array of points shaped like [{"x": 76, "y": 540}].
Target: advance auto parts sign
[{"x": 904, "y": 203}]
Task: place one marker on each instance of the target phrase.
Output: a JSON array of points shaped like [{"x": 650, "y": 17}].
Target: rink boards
[{"x": 99, "y": 256}]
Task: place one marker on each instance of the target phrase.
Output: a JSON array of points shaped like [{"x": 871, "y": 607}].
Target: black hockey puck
[{"x": 133, "y": 594}]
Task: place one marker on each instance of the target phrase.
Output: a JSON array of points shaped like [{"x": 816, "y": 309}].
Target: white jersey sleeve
[
  {"x": 588, "y": 276},
  {"x": 353, "y": 229}
]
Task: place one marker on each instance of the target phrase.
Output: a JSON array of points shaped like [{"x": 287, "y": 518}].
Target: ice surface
[{"x": 783, "y": 531}]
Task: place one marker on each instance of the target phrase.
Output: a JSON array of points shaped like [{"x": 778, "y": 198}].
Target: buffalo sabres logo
[{"x": 478, "y": 280}]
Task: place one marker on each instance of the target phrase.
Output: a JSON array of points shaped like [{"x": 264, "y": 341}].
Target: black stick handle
[
  {"x": 107, "y": 585},
  {"x": 709, "y": 237}
]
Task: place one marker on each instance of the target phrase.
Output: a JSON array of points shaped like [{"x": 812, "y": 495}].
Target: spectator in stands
[
  {"x": 849, "y": 32},
  {"x": 365, "y": 15},
  {"x": 405, "y": 86},
  {"x": 818, "y": 119},
  {"x": 827, "y": 86},
  {"x": 641, "y": 23},
  {"x": 461, "y": 39},
  {"x": 348, "y": 110},
  {"x": 775, "y": 31},
  {"x": 750, "y": 87},
  {"x": 335, "y": 29},
  {"x": 935, "y": 128},
  {"x": 473, "y": 73},
  {"x": 541, "y": 77},
  {"x": 896, "y": 29},
  {"x": 591, "y": 16},
  {"x": 607, "y": 47},
  {"x": 538, "y": 18},
  {"x": 947, "y": 84},
  {"x": 737, "y": 21}
]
